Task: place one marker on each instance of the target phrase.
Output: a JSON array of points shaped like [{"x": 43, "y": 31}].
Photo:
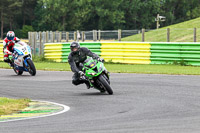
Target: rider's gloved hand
[
  {"x": 100, "y": 59},
  {"x": 81, "y": 73},
  {"x": 7, "y": 51}
]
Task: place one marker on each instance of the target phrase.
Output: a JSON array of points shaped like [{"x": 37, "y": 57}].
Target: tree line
[{"x": 69, "y": 15}]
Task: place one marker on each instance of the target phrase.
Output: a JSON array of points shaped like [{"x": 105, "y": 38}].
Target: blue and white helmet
[{"x": 10, "y": 35}]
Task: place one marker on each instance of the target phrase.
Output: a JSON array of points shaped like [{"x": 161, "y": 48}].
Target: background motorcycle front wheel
[
  {"x": 31, "y": 67},
  {"x": 106, "y": 85}
]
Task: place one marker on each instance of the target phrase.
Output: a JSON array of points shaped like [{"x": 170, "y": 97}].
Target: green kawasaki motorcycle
[{"x": 97, "y": 75}]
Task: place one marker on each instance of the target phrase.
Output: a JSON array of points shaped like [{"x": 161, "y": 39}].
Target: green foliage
[
  {"x": 68, "y": 15},
  {"x": 25, "y": 30},
  {"x": 55, "y": 15},
  {"x": 15, "y": 13},
  {"x": 181, "y": 63},
  {"x": 23, "y": 33},
  {"x": 104, "y": 15},
  {"x": 194, "y": 13},
  {"x": 18, "y": 33}
]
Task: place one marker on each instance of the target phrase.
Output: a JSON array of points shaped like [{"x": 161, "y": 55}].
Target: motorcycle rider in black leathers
[{"x": 76, "y": 57}]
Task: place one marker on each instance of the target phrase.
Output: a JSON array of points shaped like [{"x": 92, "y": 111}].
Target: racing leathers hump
[{"x": 79, "y": 57}]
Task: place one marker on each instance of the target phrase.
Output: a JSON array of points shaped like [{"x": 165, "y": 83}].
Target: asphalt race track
[{"x": 142, "y": 103}]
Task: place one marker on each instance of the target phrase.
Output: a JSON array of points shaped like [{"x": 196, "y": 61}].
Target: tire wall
[
  {"x": 59, "y": 51},
  {"x": 1, "y": 51},
  {"x": 132, "y": 52},
  {"x": 173, "y": 53}
]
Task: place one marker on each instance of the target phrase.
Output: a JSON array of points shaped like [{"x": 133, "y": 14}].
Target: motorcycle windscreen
[{"x": 90, "y": 63}]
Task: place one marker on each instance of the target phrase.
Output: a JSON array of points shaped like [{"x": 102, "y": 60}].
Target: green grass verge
[
  {"x": 9, "y": 106},
  {"x": 181, "y": 32},
  {"x": 123, "y": 68}
]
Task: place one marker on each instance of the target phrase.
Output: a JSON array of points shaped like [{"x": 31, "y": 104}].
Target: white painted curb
[{"x": 66, "y": 108}]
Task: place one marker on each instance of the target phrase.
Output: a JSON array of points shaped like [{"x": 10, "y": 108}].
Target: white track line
[{"x": 66, "y": 108}]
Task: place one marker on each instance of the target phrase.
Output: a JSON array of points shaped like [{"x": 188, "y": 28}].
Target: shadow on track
[
  {"x": 93, "y": 94},
  {"x": 14, "y": 75}
]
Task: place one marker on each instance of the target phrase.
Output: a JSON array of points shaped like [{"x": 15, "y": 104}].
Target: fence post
[
  {"x": 67, "y": 36},
  {"x": 43, "y": 41},
  {"x": 99, "y": 35},
  {"x": 60, "y": 36},
  {"x": 56, "y": 36},
  {"x": 143, "y": 35},
  {"x": 75, "y": 36},
  {"x": 94, "y": 35},
  {"x": 195, "y": 34},
  {"x": 78, "y": 35},
  {"x": 40, "y": 42},
  {"x": 31, "y": 41},
  {"x": 34, "y": 44},
  {"x": 168, "y": 34},
  {"x": 119, "y": 34},
  {"x": 29, "y": 38},
  {"x": 47, "y": 36},
  {"x": 83, "y": 36},
  {"x": 53, "y": 37}
]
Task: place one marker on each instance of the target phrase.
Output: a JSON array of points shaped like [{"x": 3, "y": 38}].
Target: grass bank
[
  {"x": 123, "y": 68},
  {"x": 181, "y": 32},
  {"x": 9, "y": 106}
]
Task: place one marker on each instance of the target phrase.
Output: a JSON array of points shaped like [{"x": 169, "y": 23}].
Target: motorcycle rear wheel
[
  {"x": 106, "y": 85},
  {"x": 18, "y": 72}
]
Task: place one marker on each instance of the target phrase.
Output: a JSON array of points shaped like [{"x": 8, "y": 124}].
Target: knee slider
[
  {"x": 75, "y": 82},
  {"x": 6, "y": 59}
]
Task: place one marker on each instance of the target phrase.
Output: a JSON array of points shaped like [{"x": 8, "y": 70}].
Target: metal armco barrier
[
  {"x": 1, "y": 51},
  {"x": 132, "y": 52}
]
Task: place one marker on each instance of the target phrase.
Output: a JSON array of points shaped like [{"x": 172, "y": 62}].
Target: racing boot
[
  {"x": 102, "y": 91},
  {"x": 87, "y": 84},
  {"x": 7, "y": 60},
  {"x": 12, "y": 62}
]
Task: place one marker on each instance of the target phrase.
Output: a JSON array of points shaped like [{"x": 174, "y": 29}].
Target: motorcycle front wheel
[
  {"x": 105, "y": 84},
  {"x": 31, "y": 67}
]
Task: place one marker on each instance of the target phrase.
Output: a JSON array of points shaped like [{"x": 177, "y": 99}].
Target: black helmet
[{"x": 75, "y": 46}]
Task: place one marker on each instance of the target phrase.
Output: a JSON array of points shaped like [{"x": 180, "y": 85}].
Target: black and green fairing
[{"x": 92, "y": 67}]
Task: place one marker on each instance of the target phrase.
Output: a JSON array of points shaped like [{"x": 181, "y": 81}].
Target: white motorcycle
[{"x": 22, "y": 59}]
